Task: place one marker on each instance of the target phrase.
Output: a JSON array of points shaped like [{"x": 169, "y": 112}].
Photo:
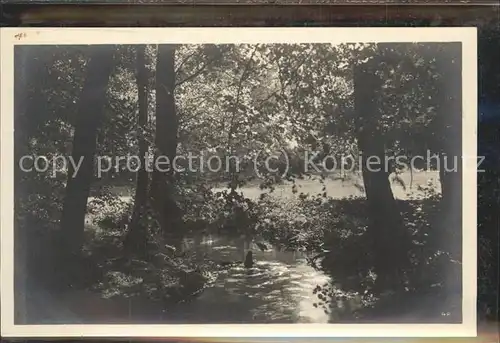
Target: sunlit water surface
[{"x": 278, "y": 289}]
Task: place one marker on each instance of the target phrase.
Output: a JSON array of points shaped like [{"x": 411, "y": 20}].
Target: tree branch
[
  {"x": 193, "y": 75},
  {"x": 237, "y": 100},
  {"x": 184, "y": 61},
  {"x": 273, "y": 94}
]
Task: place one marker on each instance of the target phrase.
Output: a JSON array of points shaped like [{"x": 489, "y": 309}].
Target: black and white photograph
[{"x": 162, "y": 182}]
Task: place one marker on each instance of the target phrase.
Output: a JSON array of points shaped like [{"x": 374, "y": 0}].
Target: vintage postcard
[{"x": 238, "y": 182}]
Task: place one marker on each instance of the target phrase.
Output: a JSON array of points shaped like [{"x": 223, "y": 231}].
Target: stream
[{"x": 278, "y": 289}]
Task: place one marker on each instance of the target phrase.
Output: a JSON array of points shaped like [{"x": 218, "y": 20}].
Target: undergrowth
[{"x": 331, "y": 230}]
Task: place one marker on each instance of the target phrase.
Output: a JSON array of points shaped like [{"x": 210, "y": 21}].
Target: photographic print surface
[{"x": 161, "y": 182}]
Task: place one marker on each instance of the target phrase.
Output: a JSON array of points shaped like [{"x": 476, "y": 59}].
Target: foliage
[{"x": 249, "y": 102}]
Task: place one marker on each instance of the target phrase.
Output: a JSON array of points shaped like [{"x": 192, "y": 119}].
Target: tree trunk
[
  {"x": 136, "y": 239},
  {"x": 386, "y": 229},
  {"x": 166, "y": 140},
  {"x": 446, "y": 177},
  {"x": 90, "y": 112},
  {"x": 450, "y": 120}
]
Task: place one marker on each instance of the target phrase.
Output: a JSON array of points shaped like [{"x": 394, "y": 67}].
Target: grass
[{"x": 351, "y": 186}]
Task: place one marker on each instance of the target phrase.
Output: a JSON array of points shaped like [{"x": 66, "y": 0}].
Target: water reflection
[{"x": 278, "y": 289}]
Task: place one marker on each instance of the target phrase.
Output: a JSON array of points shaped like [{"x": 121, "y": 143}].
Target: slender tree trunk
[
  {"x": 450, "y": 120},
  {"x": 136, "y": 239},
  {"x": 411, "y": 178},
  {"x": 444, "y": 178},
  {"x": 233, "y": 183},
  {"x": 386, "y": 229},
  {"x": 90, "y": 112},
  {"x": 166, "y": 140}
]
